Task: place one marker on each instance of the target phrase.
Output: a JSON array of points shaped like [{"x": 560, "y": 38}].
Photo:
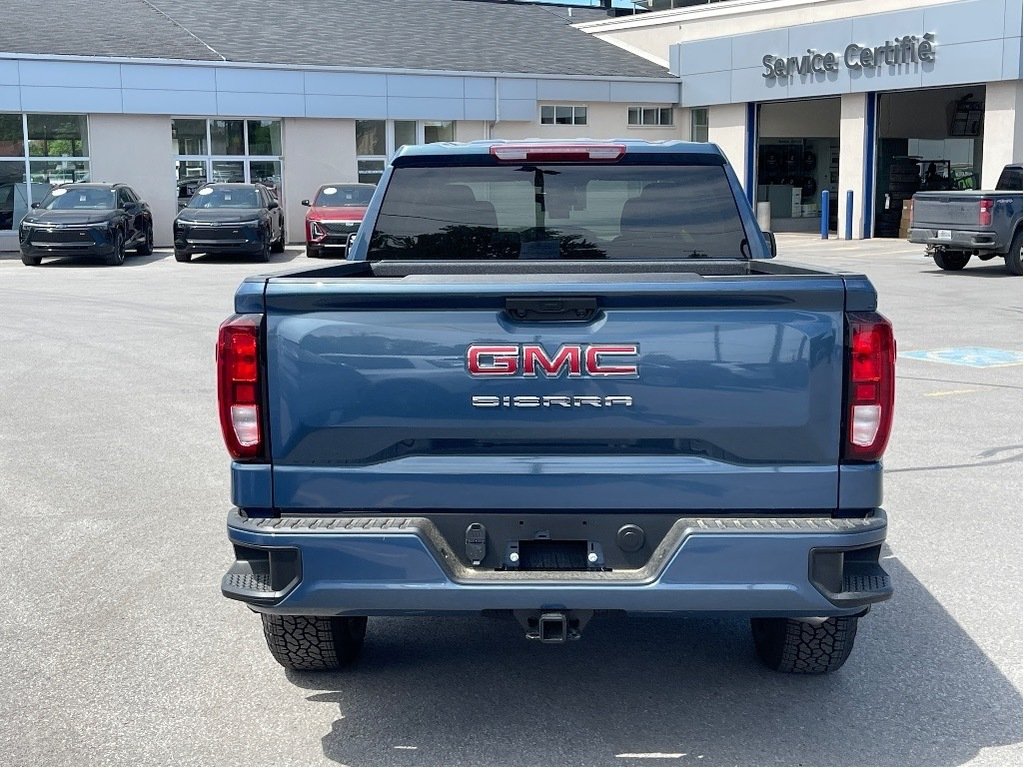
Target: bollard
[
  {"x": 824, "y": 214},
  {"x": 849, "y": 214}
]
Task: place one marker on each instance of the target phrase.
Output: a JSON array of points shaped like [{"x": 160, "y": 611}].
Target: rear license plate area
[
  {"x": 552, "y": 555},
  {"x": 944, "y": 234}
]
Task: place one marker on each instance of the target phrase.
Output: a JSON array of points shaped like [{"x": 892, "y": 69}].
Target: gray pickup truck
[{"x": 957, "y": 225}]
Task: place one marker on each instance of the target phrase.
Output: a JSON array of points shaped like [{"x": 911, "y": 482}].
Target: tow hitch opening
[{"x": 553, "y": 626}]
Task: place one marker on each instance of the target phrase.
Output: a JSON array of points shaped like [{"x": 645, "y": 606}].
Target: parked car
[
  {"x": 87, "y": 219},
  {"x": 187, "y": 188},
  {"x": 230, "y": 218},
  {"x": 957, "y": 225},
  {"x": 613, "y": 401},
  {"x": 334, "y": 216}
]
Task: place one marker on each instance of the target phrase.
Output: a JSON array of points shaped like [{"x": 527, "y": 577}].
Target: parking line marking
[
  {"x": 972, "y": 357},
  {"x": 950, "y": 392},
  {"x": 653, "y": 755}
]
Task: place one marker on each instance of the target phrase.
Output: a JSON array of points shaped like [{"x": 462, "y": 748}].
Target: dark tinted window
[
  {"x": 342, "y": 196},
  {"x": 79, "y": 199},
  {"x": 568, "y": 211},
  {"x": 1011, "y": 178},
  {"x": 225, "y": 197}
]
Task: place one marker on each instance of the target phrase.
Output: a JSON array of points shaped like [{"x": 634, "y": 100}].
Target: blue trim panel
[
  {"x": 870, "y": 108},
  {"x": 563, "y": 482},
  {"x": 710, "y": 573},
  {"x": 861, "y": 295},
  {"x": 252, "y": 486},
  {"x": 249, "y": 296},
  {"x": 751, "y": 139},
  {"x": 860, "y": 486}
]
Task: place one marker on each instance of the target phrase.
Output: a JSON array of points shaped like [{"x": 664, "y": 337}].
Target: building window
[
  {"x": 215, "y": 150},
  {"x": 378, "y": 140},
  {"x": 563, "y": 115},
  {"x": 636, "y": 116},
  {"x": 699, "y": 124},
  {"x": 37, "y": 152}
]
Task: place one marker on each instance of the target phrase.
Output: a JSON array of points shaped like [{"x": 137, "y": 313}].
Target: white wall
[
  {"x": 470, "y": 130},
  {"x": 1003, "y": 128},
  {"x": 604, "y": 121},
  {"x": 852, "y": 136},
  {"x": 317, "y": 151},
  {"x": 136, "y": 150},
  {"x": 727, "y": 127},
  {"x": 812, "y": 118}
]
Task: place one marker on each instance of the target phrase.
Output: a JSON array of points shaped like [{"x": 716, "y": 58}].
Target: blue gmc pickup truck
[{"x": 554, "y": 381}]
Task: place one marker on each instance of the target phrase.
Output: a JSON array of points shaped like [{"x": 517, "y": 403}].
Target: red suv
[{"x": 334, "y": 217}]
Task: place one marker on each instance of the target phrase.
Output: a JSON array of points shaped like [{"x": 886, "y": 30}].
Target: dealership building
[{"x": 802, "y": 95}]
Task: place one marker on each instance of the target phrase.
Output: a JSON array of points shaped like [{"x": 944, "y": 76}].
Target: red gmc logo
[{"x": 531, "y": 360}]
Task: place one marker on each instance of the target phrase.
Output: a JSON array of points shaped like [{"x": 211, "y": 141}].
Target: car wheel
[
  {"x": 182, "y": 256},
  {"x": 264, "y": 253},
  {"x": 804, "y": 647},
  {"x": 951, "y": 261},
  {"x": 146, "y": 246},
  {"x": 311, "y": 253},
  {"x": 116, "y": 257},
  {"x": 31, "y": 261},
  {"x": 314, "y": 642},
  {"x": 1013, "y": 256},
  {"x": 278, "y": 246}
]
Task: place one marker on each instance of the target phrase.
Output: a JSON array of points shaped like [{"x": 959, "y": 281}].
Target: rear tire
[
  {"x": 1013, "y": 256},
  {"x": 31, "y": 261},
  {"x": 314, "y": 642},
  {"x": 951, "y": 261},
  {"x": 802, "y": 647}
]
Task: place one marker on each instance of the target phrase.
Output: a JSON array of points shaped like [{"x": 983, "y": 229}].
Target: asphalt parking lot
[{"x": 119, "y": 649}]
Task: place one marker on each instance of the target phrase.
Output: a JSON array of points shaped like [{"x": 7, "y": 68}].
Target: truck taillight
[
  {"x": 238, "y": 385},
  {"x": 985, "y": 213},
  {"x": 871, "y": 387}
]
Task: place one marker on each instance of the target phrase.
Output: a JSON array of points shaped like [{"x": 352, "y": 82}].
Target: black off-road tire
[
  {"x": 951, "y": 261},
  {"x": 182, "y": 256},
  {"x": 314, "y": 642},
  {"x": 145, "y": 248},
  {"x": 802, "y": 647},
  {"x": 31, "y": 261},
  {"x": 1013, "y": 256},
  {"x": 116, "y": 257}
]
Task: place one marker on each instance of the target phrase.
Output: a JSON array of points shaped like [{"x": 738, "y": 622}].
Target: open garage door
[{"x": 927, "y": 140}]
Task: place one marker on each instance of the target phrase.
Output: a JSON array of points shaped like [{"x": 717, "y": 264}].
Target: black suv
[
  {"x": 230, "y": 218},
  {"x": 86, "y": 219}
]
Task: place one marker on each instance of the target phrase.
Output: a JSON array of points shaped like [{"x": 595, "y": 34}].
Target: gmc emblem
[{"x": 532, "y": 360}]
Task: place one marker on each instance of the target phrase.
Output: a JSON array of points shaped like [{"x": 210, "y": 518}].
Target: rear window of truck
[{"x": 558, "y": 211}]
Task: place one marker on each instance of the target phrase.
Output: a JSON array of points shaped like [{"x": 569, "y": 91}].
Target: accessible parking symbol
[{"x": 972, "y": 357}]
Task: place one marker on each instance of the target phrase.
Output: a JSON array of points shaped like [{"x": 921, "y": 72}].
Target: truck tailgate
[
  {"x": 945, "y": 209},
  {"x": 736, "y": 401}
]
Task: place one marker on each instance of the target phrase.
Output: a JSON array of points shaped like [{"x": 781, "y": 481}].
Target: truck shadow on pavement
[
  {"x": 995, "y": 268},
  {"x": 917, "y": 691}
]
